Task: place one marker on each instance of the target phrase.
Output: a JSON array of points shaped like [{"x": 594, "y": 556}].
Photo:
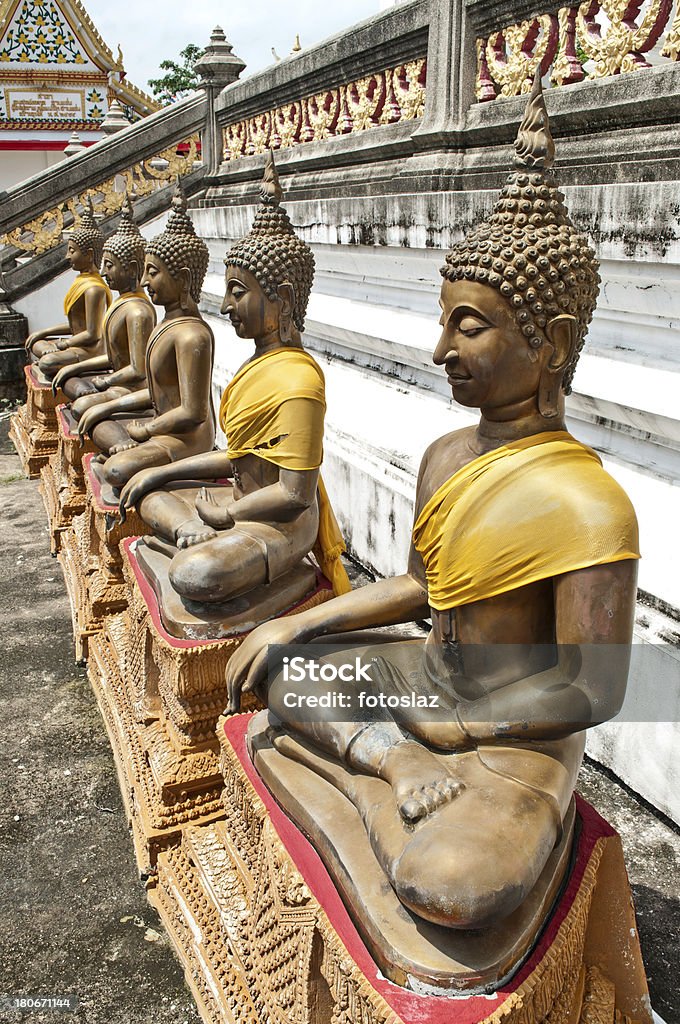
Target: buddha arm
[
  {"x": 139, "y": 326},
  {"x": 93, "y": 365},
  {"x": 594, "y": 611},
  {"x": 207, "y": 466},
  {"x": 194, "y": 377},
  {"x": 47, "y": 332},
  {"x": 95, "y": 307},
  {"x": 139, "y": 401},
  {"x": 384, "y": 603},
  {"x": 280, "y": 502}
]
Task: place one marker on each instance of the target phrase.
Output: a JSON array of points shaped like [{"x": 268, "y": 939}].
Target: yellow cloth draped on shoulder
[
  {"x": 121, "y": 300},
  {"x": 274, "y": 408},
  {"x": 530, "y": 510},
  {"x": 81, "y": 284}
]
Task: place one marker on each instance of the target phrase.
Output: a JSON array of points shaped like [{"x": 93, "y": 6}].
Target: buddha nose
[
  {"x": 226, "y": 305},
  {"x": 445, "y": 351}
]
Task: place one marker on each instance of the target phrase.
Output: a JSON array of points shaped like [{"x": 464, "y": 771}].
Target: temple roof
[{"x": 48, "y": 44}]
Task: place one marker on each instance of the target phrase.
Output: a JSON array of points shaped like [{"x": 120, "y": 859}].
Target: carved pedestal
[
  {"x": 33, "y": 427},
  {"x": 160, "y": 698},
  {"x": 61, "y": 481},
  {"x": 263, "y": 934},
  {"x": 91, "y": 561}
]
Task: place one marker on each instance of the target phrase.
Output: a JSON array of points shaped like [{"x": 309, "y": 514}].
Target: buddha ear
[
  {"x": 133, "y": 270},
  {"x": 562, "y": 336},
  {"x": 184, "y": 278},
  {"x": 286, "y": 294},
  {"x": 562, "y": 333}
]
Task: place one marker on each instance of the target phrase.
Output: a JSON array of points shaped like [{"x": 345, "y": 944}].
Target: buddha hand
[
  {"x": 62, "y": 344},
  {"x": 217, "y": 516},
  {"x": 61, "y": 377},
  {"x": 100, "y": 383},
  {"x": 247, "y": 667},
  {"x": 139, "y": 430},
  {"x": 89, "y": 420},
  {"x": 137, "y": 487}
]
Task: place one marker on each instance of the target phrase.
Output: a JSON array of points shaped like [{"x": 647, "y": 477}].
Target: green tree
[{"x": 180, "y": 78}]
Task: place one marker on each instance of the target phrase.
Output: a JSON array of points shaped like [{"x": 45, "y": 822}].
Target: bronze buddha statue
[
  {"x": 233, "y": 538},
  {"x": 120, "y": 369},
  {"x": 524, "y": 556},
  {"x": 85, "y": 305},
  {"x": 177, "y": 401}
]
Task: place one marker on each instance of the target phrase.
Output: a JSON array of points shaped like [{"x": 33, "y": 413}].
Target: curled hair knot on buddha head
[
  {"x": 528, "y": 248},
  {"x": 127, "y": 242},
  {"x": 272, "y": 252},
  {"x": 180, "y": 247},
  {"x": 86, "y": 234}
]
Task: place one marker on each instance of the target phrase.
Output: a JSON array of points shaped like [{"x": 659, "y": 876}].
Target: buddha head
[
  {"x": 269, "y": 272},
  {"x": 85, "y": 242},
  {"x": 520, "y": 290},
  {"x": 123, "y": 257},
  {"x": 176, "y": 260}
]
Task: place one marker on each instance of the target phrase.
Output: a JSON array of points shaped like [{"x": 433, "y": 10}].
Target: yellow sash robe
[
  {"x": 530, "y": 510},
  {"x": 259, "y": 416},
  {"x": 81, "y": 285}
]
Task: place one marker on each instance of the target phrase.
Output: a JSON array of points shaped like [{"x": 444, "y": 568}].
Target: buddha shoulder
[
  {"x": 444, "y": 456},
  {"x": 188, "y": 331}
]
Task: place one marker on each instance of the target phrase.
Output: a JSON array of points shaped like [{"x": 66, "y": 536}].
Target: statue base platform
[
  {"x": 264, "y": 934},
  {"x": 61, "y": 480},
  {"x": 91, "y": 560},
  {"x": 33, "y": 427},
  {"x": 161, "y": 696}
]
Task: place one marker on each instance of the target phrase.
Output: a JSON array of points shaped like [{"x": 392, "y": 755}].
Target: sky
[{"x": 150, "y": 34}]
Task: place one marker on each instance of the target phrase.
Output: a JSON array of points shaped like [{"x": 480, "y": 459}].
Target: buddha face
[
  {"x": 116, "y": 274},
  {"x": 489, "y": 363},
  {"x": 80, "y": 259},
  {"x": 164, "y": 289},
  {"x": 251, "y": 312}
]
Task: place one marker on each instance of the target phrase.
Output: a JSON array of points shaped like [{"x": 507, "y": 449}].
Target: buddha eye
[{"x": 470, "y": 326}]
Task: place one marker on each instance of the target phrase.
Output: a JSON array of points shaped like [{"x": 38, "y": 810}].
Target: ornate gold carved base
[
  {"x": 33, "y": 427},
  {"x": 92, "y": 564},
  {"x": 61, "y": 480},
  {"x": 160, "y": 698},
  {"x": 263, "y": 935}
]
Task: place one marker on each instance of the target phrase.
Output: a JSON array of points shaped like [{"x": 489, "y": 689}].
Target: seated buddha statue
[
  {"x": 227, "y": 539},
  {"x": 120, "y": 369},
  {"x": 85, "y": 305},
  {"x": 176, "y": 401},
  {"x": 524, "y": 555}
]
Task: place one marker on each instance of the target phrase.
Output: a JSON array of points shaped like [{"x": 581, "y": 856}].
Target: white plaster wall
[
  {"x": 45, "y": 306},
  {"x": 16, "y": 167}
]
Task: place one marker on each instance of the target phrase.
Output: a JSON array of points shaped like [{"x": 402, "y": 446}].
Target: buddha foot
[
  {"x": 193, "y": 531},
  {"x": 420, "y": 782}
]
